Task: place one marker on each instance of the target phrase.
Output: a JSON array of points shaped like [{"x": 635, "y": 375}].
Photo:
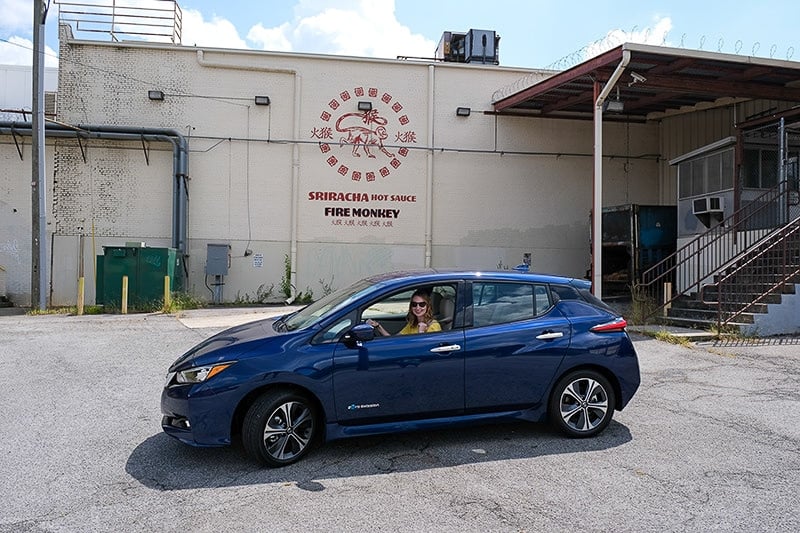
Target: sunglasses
[{"x": 418, "y": 304}]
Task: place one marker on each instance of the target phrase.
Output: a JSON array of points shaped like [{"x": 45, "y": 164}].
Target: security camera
[{"x": 638, "y": 78}]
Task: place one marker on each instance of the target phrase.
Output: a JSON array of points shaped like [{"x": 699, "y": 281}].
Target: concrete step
[
  {"x": 701, "y": 324},
  {"x": 704, "y": 315}
]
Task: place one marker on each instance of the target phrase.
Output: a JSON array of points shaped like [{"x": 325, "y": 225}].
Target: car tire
[
  {"x": 582, "y": 404},
  {"x": 280, "y": 428}
]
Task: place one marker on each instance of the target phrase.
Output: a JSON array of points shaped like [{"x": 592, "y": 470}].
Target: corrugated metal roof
[{"x": 665, "y": 79}]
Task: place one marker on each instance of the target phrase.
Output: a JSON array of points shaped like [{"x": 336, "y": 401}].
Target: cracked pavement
[{"x": 710, "y": 442}]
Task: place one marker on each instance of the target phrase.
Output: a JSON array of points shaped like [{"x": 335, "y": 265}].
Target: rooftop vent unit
[{"x": 475, "y": 46}]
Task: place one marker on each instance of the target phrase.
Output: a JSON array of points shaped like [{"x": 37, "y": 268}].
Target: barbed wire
[{"x": 648, "y": 36}]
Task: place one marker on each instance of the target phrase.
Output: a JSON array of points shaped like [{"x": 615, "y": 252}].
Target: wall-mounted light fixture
[
  {"x": 155, "y": 95},
  {"x": 463, "y": 111},
  {"x": 262, "y": 100},
  {"x": 364, "y": 105}
]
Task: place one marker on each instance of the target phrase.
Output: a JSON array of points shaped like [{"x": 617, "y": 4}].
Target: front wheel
[
  {"x": 279, "y": 428},
  {"x": 582, "y": 404}
]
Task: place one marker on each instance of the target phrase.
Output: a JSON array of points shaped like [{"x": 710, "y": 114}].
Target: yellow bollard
[
  {"x": 167, "y": 294},
  {"x": 80, "y": 295},
  {"x": 124, "y": 295}
]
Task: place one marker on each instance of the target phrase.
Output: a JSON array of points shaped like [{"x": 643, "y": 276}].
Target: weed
[
  {"x": 643, "y": 306},
  {"x": 180, "y": 301},
  {"x": 327, "y": 288},
  {"x": 666, "y": 336},
  {"x": 286, "y": 280},
  {"x": 305, "y": 297},
  {"x": 263, "y": 295}
]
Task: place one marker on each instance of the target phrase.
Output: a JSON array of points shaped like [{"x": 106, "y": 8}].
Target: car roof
[{"x": 434, "y": 275}]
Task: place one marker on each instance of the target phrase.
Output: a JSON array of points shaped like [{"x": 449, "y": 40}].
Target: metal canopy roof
[{"x": 665, "y": 79}]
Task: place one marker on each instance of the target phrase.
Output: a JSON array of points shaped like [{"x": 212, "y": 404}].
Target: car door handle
[
  {"x": 550, "y": 335},
  {"x": 446, "y": 349}
]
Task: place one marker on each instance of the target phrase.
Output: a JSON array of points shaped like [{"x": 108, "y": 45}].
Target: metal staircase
[{"x": 727, "y": 275}]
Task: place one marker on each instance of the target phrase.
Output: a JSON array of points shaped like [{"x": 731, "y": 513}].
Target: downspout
[
  {"x": 180, "y": 160},
  {"x": 597, "y": 204},
  {"x": 429, "y": 172},
  {"x": 295, "y": 193}
]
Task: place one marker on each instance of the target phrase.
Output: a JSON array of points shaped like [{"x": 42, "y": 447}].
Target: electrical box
[{"x": 217, "y": 259}]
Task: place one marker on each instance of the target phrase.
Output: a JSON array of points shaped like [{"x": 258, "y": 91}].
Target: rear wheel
[
  {"x": 582, "y": 404},
  {"x": 279, "y": 428}
]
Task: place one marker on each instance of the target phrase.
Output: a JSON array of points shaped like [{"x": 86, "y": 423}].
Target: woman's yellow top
[{"x": 410, "y": 330}]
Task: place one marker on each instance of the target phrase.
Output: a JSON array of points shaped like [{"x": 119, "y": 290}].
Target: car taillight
[{"x": 618, "y": 324}]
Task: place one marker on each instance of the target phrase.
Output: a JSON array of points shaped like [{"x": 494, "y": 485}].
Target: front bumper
[{"x": 194, "y": 415}]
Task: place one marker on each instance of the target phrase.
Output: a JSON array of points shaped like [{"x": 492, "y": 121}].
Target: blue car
[{"x": 406, "y": 351}]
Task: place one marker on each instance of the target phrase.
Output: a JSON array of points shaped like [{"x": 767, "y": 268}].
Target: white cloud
[
  {"x": 364, "y": 28},
  {"x": 218, "y": 32},
  {"x": 655, "y": 34},
  {"x": 276, "y": 39},
  {"x": 19, "y": 51}
]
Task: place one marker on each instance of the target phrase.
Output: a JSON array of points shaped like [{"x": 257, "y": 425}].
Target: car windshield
[{"x": 313, "y": 313}]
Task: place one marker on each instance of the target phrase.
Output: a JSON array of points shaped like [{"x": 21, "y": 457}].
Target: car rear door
[{"x": 515, "y": 344}]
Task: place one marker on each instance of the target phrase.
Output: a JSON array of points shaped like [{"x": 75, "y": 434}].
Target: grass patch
[
  {"x": 666, "y": 336},
  {"x": 643, "y": 306},
  {"x": 67, "y": 310}
]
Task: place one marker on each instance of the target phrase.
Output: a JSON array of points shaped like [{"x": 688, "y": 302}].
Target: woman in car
[{"x": 419, "y": 318}]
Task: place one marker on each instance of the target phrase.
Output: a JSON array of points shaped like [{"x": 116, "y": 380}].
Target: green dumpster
[{"x": 145, "y": 267}]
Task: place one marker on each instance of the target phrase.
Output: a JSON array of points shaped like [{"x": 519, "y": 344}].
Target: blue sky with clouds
[{"x": 534, "y": 33}]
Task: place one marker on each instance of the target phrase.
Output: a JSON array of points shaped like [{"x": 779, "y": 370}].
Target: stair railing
[
  {"x": 694, "y": 263},
  {"x": 760, "y": 272}
]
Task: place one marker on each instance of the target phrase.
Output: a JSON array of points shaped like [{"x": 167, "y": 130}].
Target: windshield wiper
[{"x": 280, "y": 326}]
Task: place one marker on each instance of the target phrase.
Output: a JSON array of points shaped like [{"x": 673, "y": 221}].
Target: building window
[
  {"x": 706, "y": 174},
  {"x": 760, "y": 168}
]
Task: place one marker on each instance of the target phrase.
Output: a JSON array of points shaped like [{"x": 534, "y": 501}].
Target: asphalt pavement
[{"x": 709, "y": 443}]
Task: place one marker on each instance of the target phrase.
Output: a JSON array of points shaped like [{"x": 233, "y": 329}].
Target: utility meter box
[{"x": 217, "y": 259}]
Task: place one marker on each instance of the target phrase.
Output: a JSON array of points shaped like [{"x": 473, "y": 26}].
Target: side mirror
[{"x": 358, "y": 334}]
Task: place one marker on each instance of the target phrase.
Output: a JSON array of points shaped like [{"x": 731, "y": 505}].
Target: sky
[{"x": 533, "y": 33}]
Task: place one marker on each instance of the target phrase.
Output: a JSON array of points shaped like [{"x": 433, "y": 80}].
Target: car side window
[
  {"x": 565, "y": 292},
  {"x": 500, "y": 303},
  {"x": 391, "y": 311},
  {"x": 335, "y": 330}
]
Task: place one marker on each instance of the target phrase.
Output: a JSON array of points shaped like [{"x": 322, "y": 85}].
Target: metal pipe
[
  {"x": 597, "y": 207},
  {"x": 180, "y": 159},
  {"x": 429, "y": 172}
]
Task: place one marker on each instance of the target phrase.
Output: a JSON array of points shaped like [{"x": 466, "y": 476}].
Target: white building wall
[
  {"x": 16, "y": 90},
  {"x": 499, "y": 186}
]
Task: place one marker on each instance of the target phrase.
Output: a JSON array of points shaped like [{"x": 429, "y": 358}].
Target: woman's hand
[
  {"x": 423, "y": 327},
  {"x": 375, "y": 324}
]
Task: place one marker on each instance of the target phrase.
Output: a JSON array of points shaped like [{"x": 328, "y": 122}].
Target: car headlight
[{"x": 200, "y": 374}]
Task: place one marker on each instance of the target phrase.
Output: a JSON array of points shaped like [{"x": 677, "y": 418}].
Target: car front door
[{"x": 400, "y": 376}]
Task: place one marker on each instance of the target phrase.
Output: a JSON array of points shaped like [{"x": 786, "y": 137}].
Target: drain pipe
[
  {"x": 180, "y": 160},
  {"x": 429, "y": 172},
  {"x": 597, "y": 204}
]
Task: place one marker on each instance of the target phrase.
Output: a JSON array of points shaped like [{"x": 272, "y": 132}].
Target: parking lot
[{"x": 710, "y": 442}]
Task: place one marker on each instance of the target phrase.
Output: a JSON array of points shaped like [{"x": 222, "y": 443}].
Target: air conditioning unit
[{"x": 709, "y": 204}]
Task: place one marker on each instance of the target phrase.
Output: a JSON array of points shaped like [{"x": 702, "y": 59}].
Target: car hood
[{"x": 229, "y": 344}]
